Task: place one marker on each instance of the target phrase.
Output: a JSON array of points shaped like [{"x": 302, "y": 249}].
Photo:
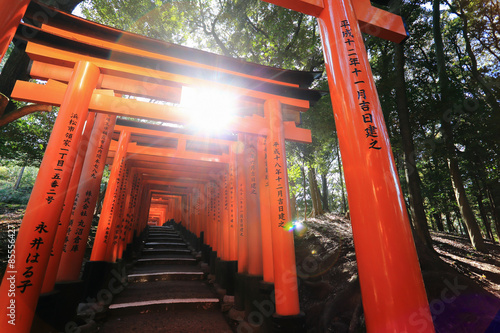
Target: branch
[
  {"x": 4, "y": 100},
  {"x": 25, "y": 110},
  {"x": 256, "y": 28},
  {"x": 488, "y": 48},
  {"x": 218, "y": 40},
  {"x": 295, "y": 33}
]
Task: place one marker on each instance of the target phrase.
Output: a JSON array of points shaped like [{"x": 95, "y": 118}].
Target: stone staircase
[{"x": 167, "y": 291}]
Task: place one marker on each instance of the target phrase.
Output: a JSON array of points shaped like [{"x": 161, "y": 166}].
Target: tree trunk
[
  {"x": 447, "y": 130},
  {"x": 324, "y": 197},
  {"x": 482, "y": 213},
  {"x": 314, "y": 191},
  {"x": 491, "y": 99},
  {"x": 19, "y": 177},
  {"x": 343, "y": 208},
  {"x": 449, "y": 223},
  {"x": 304, "y": 191},
  {"x": 494, "y": 210},
  {"x": 293, "y": 206},
  {"x": 439, "y": 221},
  {"x": 461, "y": 228},
  {"x": 418, "y": 218}
]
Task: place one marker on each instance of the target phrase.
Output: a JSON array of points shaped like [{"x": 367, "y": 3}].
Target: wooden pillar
[
  {"x": 225, "y": 215},
  {"x": 64, "y": 220},
  {"x": 285, "y": 274},
  {"x": 242, "y": 209},
  {"x": 129, "y": 223},
  {"x": 105, "y": 230},
  {"x": 87, "y": 195},
  {"x": 253, "y": 207},
  {"x": 138, "y": 227},
  {"x": 12, "y": 13},
  {"x": 233, "y": 208},
  {"x": 121, "y": 223},
  {"x": 389, "y": 272},
  {"x": 213, "y": 225},
  {"x": 265, "y": 212},
  {"x": 218, "y": 218},
  {"x": 37, "y": 232}
]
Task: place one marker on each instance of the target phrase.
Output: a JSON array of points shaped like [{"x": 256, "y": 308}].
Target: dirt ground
[{"x": 330, "y": 294}]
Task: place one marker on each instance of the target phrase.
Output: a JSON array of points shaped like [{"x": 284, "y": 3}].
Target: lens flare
[{"x": 209, "y": 109}]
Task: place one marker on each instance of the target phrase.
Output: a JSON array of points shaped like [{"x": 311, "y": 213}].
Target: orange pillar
[
  {"x": 88, "y": 193},
  {"x": 138, "y": 228},
  {"x": 214, "y": 227},
  {"x": 253, "y": 207},
  {"x": 64, "y": 220},
  {"x": 209, "y": 204},
  {"x": 130, "y": 207},
  {"x": 36, "y": 235},
  {"x": 12, "y": 13},
  {"x": 242, "y": 209},
  {"x": 105, "y": 230},
  {"x": 121, "y": 223},
  {"x": 265, "y": 212},
  {"x": 233, "y": 208},
  {"x": 117, "y": 213},
  {"x": 285, "y": 274},
  {"x": 389, "y": 272},
  {"x": 218, "y": 207},
  {"x": 225, "y": 215},
  {"x": 202, "y": 212}
]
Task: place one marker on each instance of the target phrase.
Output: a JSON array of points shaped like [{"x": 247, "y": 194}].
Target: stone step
[
  {"x": 147, "y": 251},
  {"x": 165, "y": 239},
  {"x": 166, "y": 261},
  {"x": 165, "y": 276},
  {"x": 171, "y": 245},
  {"x": 168, "y": 317},
  {"x": 139, "y": 297}
]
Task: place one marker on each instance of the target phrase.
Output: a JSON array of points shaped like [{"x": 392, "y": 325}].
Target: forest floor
[{"x": 463, "y": 285}]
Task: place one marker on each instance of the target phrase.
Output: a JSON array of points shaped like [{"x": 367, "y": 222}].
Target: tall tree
[
  {"x": 446, "y": 105},
  {"x": 418, "y": 218}
]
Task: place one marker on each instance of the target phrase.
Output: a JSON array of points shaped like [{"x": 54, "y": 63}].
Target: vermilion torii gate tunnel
[{"x": 230, "y": 192}]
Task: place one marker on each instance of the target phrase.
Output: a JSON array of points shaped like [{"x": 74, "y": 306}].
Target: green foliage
[
  {"x": 237, "y": 28},
  {"x": 472, "y": 116},
  {"x": 9, "y": 173},
  {"x": 23, "y": 141}
]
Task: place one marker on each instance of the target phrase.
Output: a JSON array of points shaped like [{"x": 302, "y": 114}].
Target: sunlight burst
[{"x": 209, "y": 109}]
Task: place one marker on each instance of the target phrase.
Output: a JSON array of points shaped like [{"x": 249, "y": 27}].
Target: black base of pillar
[
  {"x": 266, "y": 288},
  {"x": 224, "y": 275},
  {"x": 95, "y": 274},
  {"x": 289, "y": 324},
  {"x": 219, "y": 272},
  {"x": 231, "y": 268},
  {"x": 259, "y": 307},
  {"x": 58, "y": 307},
  {"x": 252, "y": 292},
  {"x": 128, "y": 254},
  {"x": 103, "y": 278},
  {"x": 206, "y": 251},
  {"x": 239, "y": 291},
  {"x": 213, "y": 259}
]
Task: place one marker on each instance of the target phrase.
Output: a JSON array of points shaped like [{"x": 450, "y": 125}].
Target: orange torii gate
[{"x": 390, "y": 278}]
